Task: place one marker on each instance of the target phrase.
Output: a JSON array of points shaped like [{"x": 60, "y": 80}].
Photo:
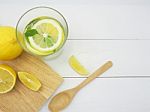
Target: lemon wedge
[
  {"x": 7, "y": 78},
  {"x": 29, "y": 80},
  {"x": 76, "y": 65}
]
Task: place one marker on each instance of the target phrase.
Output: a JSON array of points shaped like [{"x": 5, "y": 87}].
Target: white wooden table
[{"x": 100, "y": 30}]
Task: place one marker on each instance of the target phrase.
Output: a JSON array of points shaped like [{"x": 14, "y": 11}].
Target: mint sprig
[{"x": 31, "y": 32}]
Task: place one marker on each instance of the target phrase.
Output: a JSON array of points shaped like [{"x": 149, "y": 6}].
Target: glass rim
[{"x": 38, "y": 7}]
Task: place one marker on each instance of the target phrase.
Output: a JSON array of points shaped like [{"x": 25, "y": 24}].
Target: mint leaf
[{"x": 31, "y": 32}]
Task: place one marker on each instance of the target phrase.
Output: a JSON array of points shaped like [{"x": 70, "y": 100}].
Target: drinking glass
[{"x": 36, "y": 12}]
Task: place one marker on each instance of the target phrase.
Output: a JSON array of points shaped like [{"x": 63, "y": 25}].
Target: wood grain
[{"x": 21, "y": 99}]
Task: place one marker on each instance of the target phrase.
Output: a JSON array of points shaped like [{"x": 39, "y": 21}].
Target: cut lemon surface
[
  {"x": 7, "y": 78},
  {"x": 77, "y": 66},
  {"x": 48, "y": 35},
  {"x": 29, "y": 80}
]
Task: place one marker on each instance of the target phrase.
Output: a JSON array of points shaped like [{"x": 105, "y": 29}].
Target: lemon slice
[
  {"x": 49, "y": 37},
  {"x": 29, "y": 80},
  {"x": 76, "y": 65},
  {"x": 7, "y": 78}
]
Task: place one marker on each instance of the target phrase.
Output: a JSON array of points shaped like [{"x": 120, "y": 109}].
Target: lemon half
[{"x": 7, "y": 78}]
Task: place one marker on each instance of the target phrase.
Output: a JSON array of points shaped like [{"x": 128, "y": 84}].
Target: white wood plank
[
  {"x": 130, "y": 57},
  {"x": 92, "y": 21},
  {"x": 109, "y": 21},
  {"x": 109, "y": 95},
  {"x": 26, "y": 2}
]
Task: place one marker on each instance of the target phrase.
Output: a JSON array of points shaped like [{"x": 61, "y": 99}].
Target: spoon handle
[{"x": 98, "y": 72}]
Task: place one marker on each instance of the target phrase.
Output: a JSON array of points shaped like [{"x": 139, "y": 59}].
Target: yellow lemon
[
  {"x": 9, "y": 47},
  {"x": 7, "y": 78},
  {"x": 29, "y": 80},
  {"x": 76, "y": 65}
]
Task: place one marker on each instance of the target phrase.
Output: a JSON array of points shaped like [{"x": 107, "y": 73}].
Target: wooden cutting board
[{"x": 22, "y": 99}]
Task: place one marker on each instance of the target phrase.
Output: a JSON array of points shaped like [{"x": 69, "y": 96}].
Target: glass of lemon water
[{"x": 44, "y": 30}]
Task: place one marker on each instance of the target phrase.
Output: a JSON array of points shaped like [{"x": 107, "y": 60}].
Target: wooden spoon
[{"x": 63, "y": 99}]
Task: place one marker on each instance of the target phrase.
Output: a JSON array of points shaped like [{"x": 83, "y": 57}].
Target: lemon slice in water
[
  {"x": 49, "y": 37},
  {"x": 7, "y": 78},
  {"x": 29, "y": 80},
  {"x": 76, "y": 65}
]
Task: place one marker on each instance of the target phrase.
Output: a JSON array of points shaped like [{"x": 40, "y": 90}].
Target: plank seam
[
  {"x": 107, "y": 39},
  {"x": 120, "y": 77}
]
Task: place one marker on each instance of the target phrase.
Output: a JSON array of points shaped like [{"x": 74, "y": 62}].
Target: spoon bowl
[{"x": 62, "y": 100}]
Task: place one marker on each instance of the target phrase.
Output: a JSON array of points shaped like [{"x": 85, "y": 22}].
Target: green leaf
[{"x": 31, "y": 32}]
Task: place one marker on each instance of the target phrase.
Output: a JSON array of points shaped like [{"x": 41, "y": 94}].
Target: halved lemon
[
  {"x": 77, "y": 66},
  {"x": 7, "y": 78},
  {"x": 49, "y": 37},
  {"x": 29, "y": 80}
]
